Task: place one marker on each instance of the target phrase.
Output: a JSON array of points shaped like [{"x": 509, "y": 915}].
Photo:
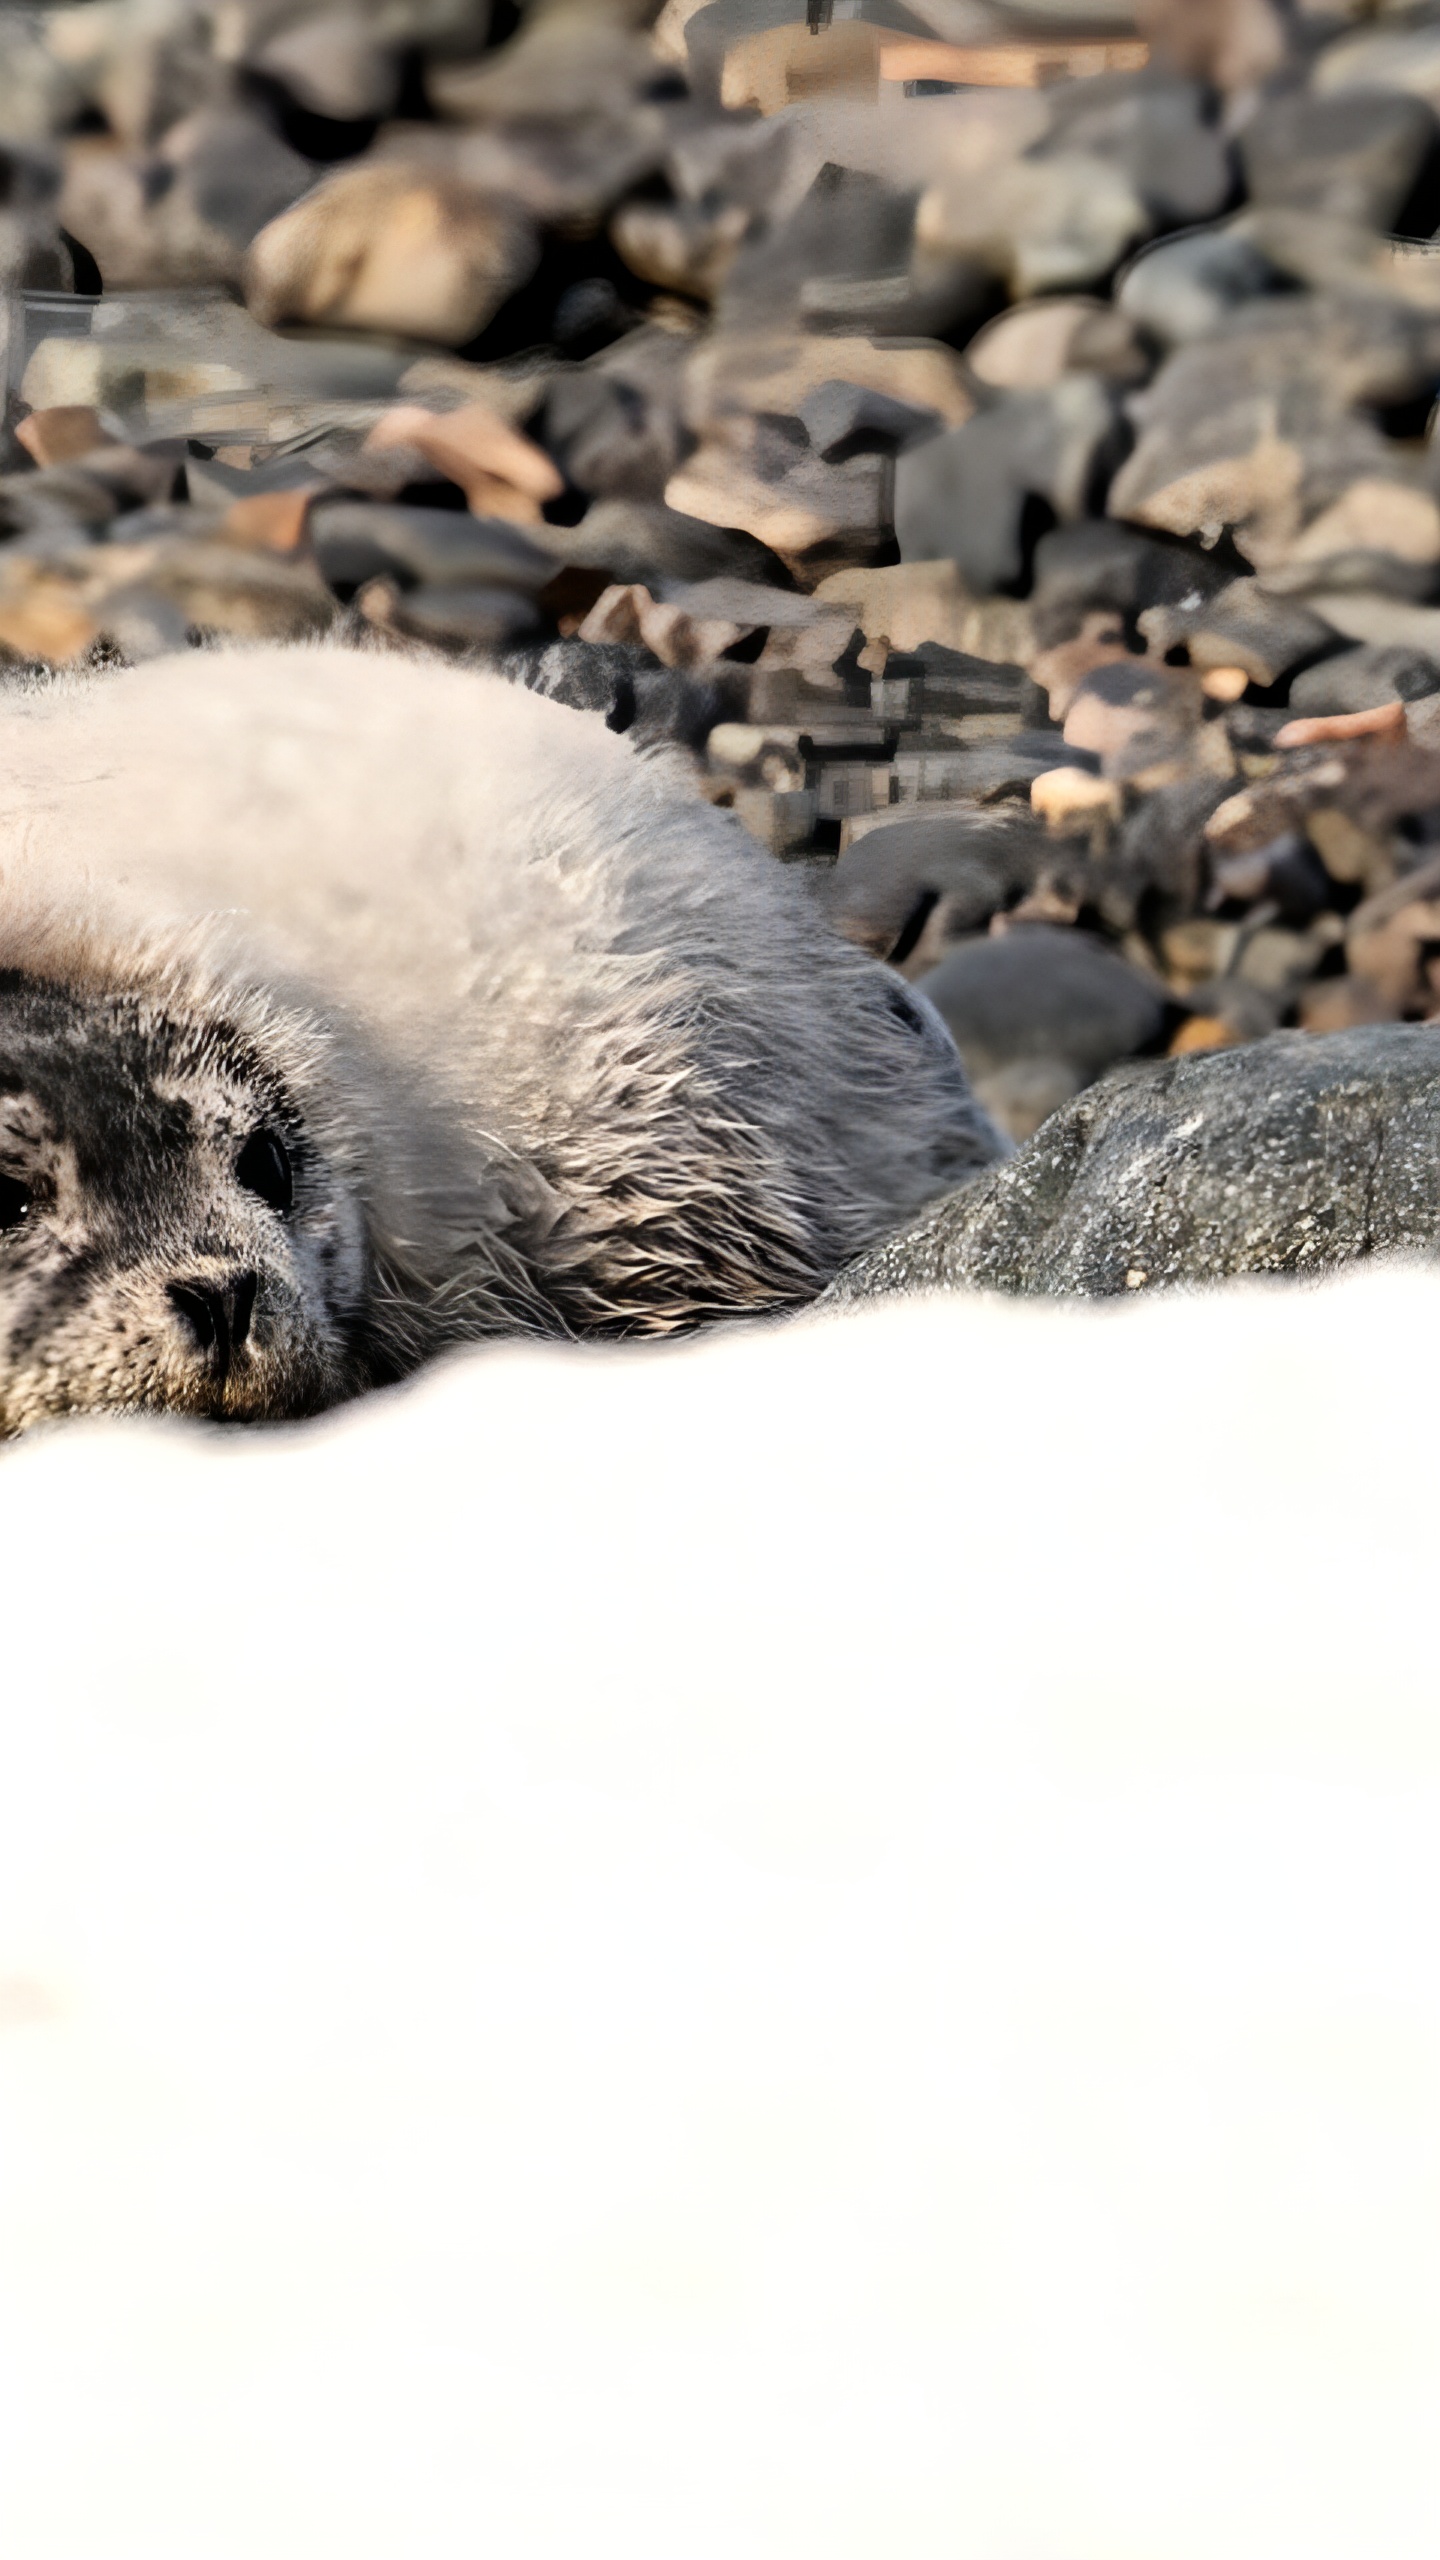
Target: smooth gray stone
[
  {"x": 356, "y": 539},
  {"x": 1044, "y": 991},
  {"x": 1295, "y": 1155},
  {"x": 1362, "y": 679}
]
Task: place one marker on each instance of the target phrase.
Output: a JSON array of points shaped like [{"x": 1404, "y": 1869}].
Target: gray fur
[{"x": 548, "y": 1044}]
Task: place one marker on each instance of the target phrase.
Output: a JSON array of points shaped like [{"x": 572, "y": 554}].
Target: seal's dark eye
[
  {"x": 14, "y": 1202},
  {"x": 264, "y": 1168}
]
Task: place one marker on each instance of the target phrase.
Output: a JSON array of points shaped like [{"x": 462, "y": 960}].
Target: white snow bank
[{"x": 819, "y": 1947}]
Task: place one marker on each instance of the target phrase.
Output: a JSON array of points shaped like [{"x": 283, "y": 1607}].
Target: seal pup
[{"x": 353, "y": 1006}]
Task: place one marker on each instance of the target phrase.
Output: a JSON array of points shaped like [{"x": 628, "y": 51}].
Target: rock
[
  {"x": 1389, "y": 938},
  {"x": 1033, "y": 346},
  {"x": 1138, "y": 717},
  {"x": 1070, "y": 795},
  {"x": 39, "y": 94},
  {"x": 383, "y": 246},
  {"x": 250, "y": 594},
  {"x": 908, "y": 887},
  {"x": 1041, "y": 225},
  {"x": 1236, "y": 44},
  {"x": 842, "y": 261},
  {"x": 186, "y": 211},
  {"x": 963, "y": 496},
  {"x": 1155, "y": 129},
  {"x": 1059, "y": 1005},
  {"x": 1363, "y": 680},
  {"x": 1242, "y": 627},
  {"x": 1355, "y": 156},
  {"x": 458, "y": 617},
  {"x": 1112, "y": 571},
  {"x": 615, "y": 424},
  {"x": 775, "y": 67},
  {"x": 424, "y": 546},
  {"x": 1404, "y": 58},
  {"x": 1250, "y": 440},
  {"x": 332, "y": 65},
  {"x": 904, "y": 606},
  {"x": 502, "y": 473},
  {"x": 677, "y": 637},
  {"x": 631, "y": 541},
  {"x": 1185, "y": 289},
  {"x": 1293, "y": 1155},
  {"x": 61, "y": 435},
  {"x": 1388, "y": 722},
  {"x": 761, "y": 474},
  {"x": 686, "y": 248}
]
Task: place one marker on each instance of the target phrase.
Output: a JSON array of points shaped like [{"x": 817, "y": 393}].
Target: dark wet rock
[
  {"x": 1295, "y": 1155},
  {"x": 963, "y": 496},
  {"x": 1100, "y": 567},
  {"x": 1243, "y": 626},
  {"x": 615, "y": 426},
  {"x": 911, "y": 885},
  {"x": 1039, "y": 1011},
  {"x": 426, "y": 546}
]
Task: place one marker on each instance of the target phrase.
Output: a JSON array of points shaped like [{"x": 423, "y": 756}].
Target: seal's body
[{"x": 351, "y": 1006}]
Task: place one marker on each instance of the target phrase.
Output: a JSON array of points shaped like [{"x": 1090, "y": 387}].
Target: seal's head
[{"x": 175, "y": 1231}]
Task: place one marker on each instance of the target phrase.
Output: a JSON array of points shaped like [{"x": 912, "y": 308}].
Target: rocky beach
[{"x": 992, "y": 444}]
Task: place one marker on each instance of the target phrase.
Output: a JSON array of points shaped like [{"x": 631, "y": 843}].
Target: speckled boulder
[{"x": 1294, "y": 1155}]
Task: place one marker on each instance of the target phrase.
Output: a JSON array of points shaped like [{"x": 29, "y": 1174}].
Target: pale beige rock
[
  {"x": 1044, "y": 226},
  {"x": 671, "y": 634},
  {"x": 1029, "y": 349},
  {"x": 61, "y": 435},
  {"x": 777, "y": 66},
  {"x": 686, "y": 248},
  {"x": 732, "y": 374},
  {"x": 1070, "y": 792},
  {"x": 811, "y": 504},
  {"x": 501, "y": 472},
  {"x": 1225, "y": 684},
  {"x": 380, "y": 245},
  {"x": 1236, "y": 44},
  {"x": 1387, "y": 721},
  {"x": 902, "y": 605}
]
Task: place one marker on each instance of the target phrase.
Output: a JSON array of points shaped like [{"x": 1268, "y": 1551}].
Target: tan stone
[
  {"x": 61, "y": 435},
  {"x": 1205, "y": 1031},
  {"x": 1045, "y": 226},
  {"x": 675, "y": 637},
  {"x": 1386, "y": 939},
  {"x": 779, "y": 66},
  {"x": 385, "y": 245},
  {"x": 273, "y": 521},
  {"x": 1011, "y": 65},
  {"x": 686, "y": 248},
  {"x": 1224, "y": 684},
  {"x": 1068, "y": 793},
  {"x": 900, "y": 606},
  {"x": 733, "y": 373},
  {"x": 501, "y": 472},
  {"x": 1342, "y": 1004},
  {"x": 42, "y": 613},
  {"x": 1236, "y": 44},
  {"x": 1387, "y": 720}
]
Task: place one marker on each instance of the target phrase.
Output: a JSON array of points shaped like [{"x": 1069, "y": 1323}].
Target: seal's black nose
[{"x": 216, "y": 1315}]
